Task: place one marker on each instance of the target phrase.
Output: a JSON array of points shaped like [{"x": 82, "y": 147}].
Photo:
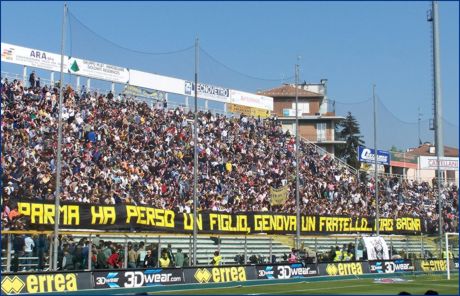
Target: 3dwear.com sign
[{"x": 137, "y": 278}]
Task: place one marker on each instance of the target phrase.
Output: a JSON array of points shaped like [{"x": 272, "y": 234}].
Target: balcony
[{"x": 324, "y": 140}]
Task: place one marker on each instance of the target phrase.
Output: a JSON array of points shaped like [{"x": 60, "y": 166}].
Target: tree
[
  {"x": 348, "y": 129},
  {"x": 395, "y": 149}
]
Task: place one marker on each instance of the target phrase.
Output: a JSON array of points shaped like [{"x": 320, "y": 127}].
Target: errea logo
[
  {"x": 202, "y": 275},
  {"x": 12, "y": 285},
  {"x": 331, "y": 269}
]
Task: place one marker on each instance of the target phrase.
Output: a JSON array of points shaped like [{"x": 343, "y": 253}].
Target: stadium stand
[{"x": 120, "y": 150}]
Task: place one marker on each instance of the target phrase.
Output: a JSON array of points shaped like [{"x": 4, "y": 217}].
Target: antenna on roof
[{"x": 419, "y": 119}]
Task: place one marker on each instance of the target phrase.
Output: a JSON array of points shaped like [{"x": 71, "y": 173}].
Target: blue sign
[{"x": 368, "y": 155}]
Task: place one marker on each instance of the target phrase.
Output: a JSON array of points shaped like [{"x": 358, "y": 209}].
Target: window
[
  {"x": 321, "y": 131},
  {"x": 303, "y": 108}
]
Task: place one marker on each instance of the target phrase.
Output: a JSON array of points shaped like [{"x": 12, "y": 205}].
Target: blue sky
[{"x": 352, "y": 44}]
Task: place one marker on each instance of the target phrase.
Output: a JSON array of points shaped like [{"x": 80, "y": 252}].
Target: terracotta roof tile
[
  {"x": 424, "y": 150},
  {"x": 288, "y": 91}
]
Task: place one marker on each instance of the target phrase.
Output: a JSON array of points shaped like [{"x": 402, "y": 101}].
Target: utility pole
[
  {"x": 297, "y": 147},
  {"x": 376, "y": 183},
  {"x": 438, "y": 129},
  {"x": 195, "y": 157},
  {"x": 57, "y": 193},
  {"x": 419, "y": 120}
]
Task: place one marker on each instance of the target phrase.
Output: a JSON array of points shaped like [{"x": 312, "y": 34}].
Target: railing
[
  {"x": 44, "y": 81},
  {"x": 174, "y": 105},
  {"x": 23, "y": 264},
  {"x": 407, "y": 246},
  {"x": 11, "y": 76},
  {"x": 205, "y": 252},
  {"x": 445, "y": 181},
  {"x": 324, "y": 152}
]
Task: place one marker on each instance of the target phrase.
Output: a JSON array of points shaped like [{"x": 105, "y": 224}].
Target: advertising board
[
  {"x": 207, "y": 91},
  {"x": 286, "y": 271},
  {"x": 219, "y": 274},
  {"x": 431, "y": 265},
  {"x": 137, "y": 278},
  {"x": 391, "y": 266},
  {"x": 343, "y": 268},
  {"x": 51, "y": 61},
  {"x": 445, "y": 163},
  {"x": 45, "y": 283},
  {"x": 368, "y": 155},
  {"x": 251, "y": 100},
  {"x": 97, "y": 70},
  {"x": 248, "y": 111},
  {"x": 31, "y": 57},
  {"x": 135, "y": 91}
]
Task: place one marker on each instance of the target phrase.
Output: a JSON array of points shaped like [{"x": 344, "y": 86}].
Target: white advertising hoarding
[
  {"x": 155, "y": 81},
  {"x": 207, "y": 91},
  {"x": 251, "y": 100},
  {"x": 31, "y": 57},
  {"x": 97, "y": 70},
  {"x": 72, "y": 65},
  {"x": 445, "y": 163}
]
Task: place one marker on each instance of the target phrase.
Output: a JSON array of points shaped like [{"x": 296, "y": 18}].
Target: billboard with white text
[
  {"x": 445, "y": 163},
  {"x": 31, "y": 57},
  {"x": 368, "y": 155},
  {"x": 251, "y": 100},
  {"x": 207, "y": 91},
  {"x": 97, "y": 70}
]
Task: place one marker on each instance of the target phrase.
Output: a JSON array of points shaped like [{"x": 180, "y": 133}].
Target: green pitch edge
[{"x": 248, "y": 283}]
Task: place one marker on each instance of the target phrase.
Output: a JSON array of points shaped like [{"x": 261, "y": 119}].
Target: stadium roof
[
  {"x": 424, "y": 150},
  {"x": 288, "y": 90}
]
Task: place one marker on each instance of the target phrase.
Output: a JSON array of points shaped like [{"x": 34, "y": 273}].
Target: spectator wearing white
[{"x": 28, "y": 249}]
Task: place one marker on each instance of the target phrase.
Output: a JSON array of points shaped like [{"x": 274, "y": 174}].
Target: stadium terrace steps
[
  {"x": 230, "y": 246},
  {"x": 206, "y": 245},
  {"x": 407, "y": 244}
]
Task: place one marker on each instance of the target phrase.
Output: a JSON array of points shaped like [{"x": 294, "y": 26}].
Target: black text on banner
[{"x": 145, "y": 218}]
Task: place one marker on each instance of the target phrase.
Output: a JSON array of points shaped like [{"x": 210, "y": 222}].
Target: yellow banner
[
  {"x": 278, "y": 196},
  {"x": 140, "y": 217},
  {"x": 249, "y": 111}
]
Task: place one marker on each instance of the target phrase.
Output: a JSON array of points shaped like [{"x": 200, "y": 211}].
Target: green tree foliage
[
  {"x": 395, "y": 149},
  {"x": 348, "y": 129}
]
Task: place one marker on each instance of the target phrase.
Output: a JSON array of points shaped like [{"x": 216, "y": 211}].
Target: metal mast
[
  {"x": 297, "y": 147},
  {"x": 376, "y": 183},
  {"x": 195, "y": 157},
  {"x": 57, "y": 193},
  {"x": 438, "y": 131}
]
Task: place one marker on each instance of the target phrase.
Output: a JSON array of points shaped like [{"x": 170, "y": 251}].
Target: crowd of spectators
[
  {"x": 120, "y": 150},
  {"x": 75, "y": 254}
]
